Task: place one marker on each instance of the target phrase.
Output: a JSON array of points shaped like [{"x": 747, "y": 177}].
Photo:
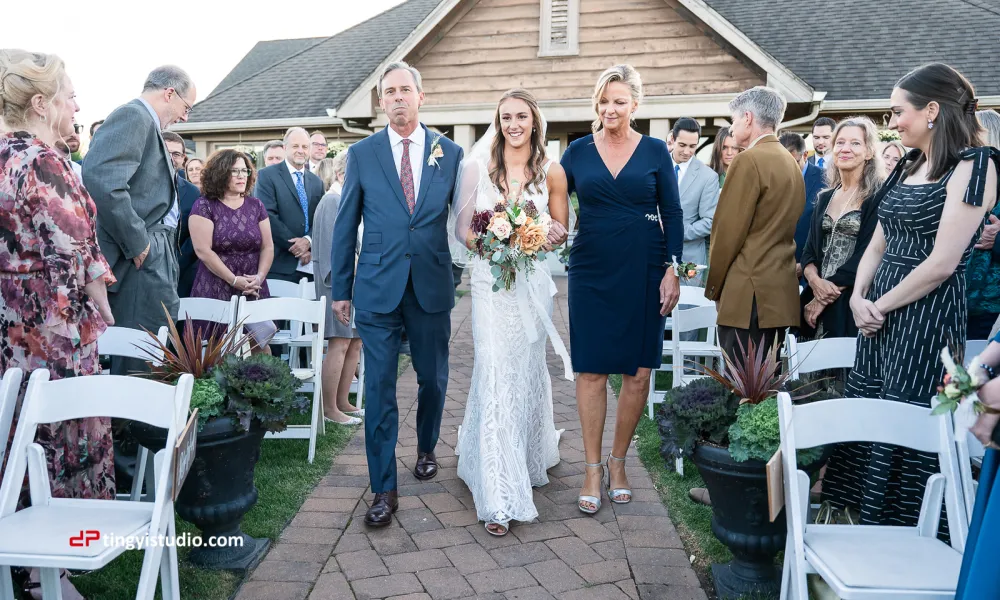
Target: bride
[{"x": 508, "y": 439}]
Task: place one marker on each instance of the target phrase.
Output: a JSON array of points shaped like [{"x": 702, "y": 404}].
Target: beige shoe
[{"x": 700, "y": 496}]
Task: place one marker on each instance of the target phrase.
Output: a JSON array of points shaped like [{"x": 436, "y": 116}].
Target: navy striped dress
[{"x": 902, "y": 361}]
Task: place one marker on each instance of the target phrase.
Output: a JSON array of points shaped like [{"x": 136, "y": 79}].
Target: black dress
[
  {"x": 902, "y": 361},
  {"x": 837, "y": 319}
]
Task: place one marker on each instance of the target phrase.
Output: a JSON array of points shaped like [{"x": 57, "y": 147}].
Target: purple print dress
[{"x": 236, "y": 240}]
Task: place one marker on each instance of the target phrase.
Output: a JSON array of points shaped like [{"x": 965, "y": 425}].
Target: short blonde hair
[
  {"x": 623, "y": 73},
  {"x": 326, "y": 173},
  {"x": 23, "y": 75},
  {"x": 340, "y": 164}
]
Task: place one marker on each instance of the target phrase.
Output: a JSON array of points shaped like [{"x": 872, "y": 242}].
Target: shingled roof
[
  {"x": 858, "y": 49},
  {"x": 291, "y": 79}
]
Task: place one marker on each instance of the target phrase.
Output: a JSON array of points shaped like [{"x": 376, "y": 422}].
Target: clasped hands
[
  {"x": 557, "y": 235},
  {"x": 301, "y": 249},
  {"x": 824, "y": 293},
  {"x": 249, "y": 285}
]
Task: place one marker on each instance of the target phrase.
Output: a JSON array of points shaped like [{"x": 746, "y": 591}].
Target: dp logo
[{"x": 84, "y": 538}]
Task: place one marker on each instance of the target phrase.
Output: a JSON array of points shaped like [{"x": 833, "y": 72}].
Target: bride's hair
[{"x": 536, "y": 171}]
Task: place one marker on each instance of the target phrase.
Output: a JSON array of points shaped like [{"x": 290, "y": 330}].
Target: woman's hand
[
  {"x": 989, "y": 235},
  {"x": 867, "y": 316},
  {"x": 670, "y": 292},
  {"x": 825, "y": 291},
  {"x": 812, "y": 312},
  {"x": 105, "y": 311},
  {"x": 983, "y": 428}
]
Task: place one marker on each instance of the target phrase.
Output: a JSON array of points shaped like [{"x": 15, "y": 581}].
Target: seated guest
[
  {"x": 344, "y": 350},
  {"x": 842, "y": 225},
  {"x": 892, "y": 153},
  {"x": 274, "y": 152},
  {"x": 187, "y": 193},
  {"x": 814, "y": 179},
  {"x": 291, "y": 193},
  {"x": 982, "y": 276},
  {"x": 231, "y": 233}
]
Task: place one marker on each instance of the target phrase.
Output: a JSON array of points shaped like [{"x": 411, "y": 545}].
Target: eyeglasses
[
  {"x": 240, "y": 172},
  {"x": 318, "y": 145},
  {"x": 177, "y": 154},
  {"x": 187, "y": 109}
]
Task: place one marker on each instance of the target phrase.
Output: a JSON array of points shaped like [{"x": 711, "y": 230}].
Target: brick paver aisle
[{"x": 436, "y": 549}]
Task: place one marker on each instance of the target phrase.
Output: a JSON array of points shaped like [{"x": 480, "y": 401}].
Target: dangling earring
[{"x": 930, "y": 124}]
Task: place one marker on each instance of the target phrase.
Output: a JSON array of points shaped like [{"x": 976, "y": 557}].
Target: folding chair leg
[
  {"x": 150, "y": 572},
  {"x": 316, "y": 419},
  {"x": 170, "y": 584},
  {"x": 139, "y": 474},
  {"x": 679, "y": 466},
  {"x": 51, "y": 586},
  {"x": 6, "y": 584},
  {"x": 150, "y": 476}
]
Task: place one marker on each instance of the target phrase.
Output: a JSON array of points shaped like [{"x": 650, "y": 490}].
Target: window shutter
[{"x": 559, "y": 34}]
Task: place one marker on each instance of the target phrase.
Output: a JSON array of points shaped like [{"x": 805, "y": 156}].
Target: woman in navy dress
[{"x": 620, "y": 285}]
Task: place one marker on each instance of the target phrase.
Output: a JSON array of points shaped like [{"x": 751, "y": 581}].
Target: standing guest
[
  {"x": 892, "y": 153},
  {"x": 53, "y": 278},
  {"x": 841, "y": 228},
  {"x": 317, "y": 150},
  {"x": 94, "y": 126},
  {"x": 822, "y": 137},
  {"x": 724, "y": 150},
  {"x": 753, "y": 238},
  {"x": 290, "y": 193},
  {"x": 129, "y": 173},
  {"x": 912, "y": 275},
  {"x": 621, "y": 281},
  {"x": 187, "y": 193},
  {"x": 814, "y": 179},
  {"x": 274, "y": 152},
  {"x": 67, "y": 147},
  {"x": 983, "y": 271},
  {"x": 192, "y": 171},
  {"x": 231, "y": 235},
  {"x": 344, "y": 344},
  {"x": 699, "y": 192}
]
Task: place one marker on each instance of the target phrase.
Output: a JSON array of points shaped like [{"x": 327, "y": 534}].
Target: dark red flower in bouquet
[
  {"x": 530, "y": 209},
  {"x": 480, "y": 221}
]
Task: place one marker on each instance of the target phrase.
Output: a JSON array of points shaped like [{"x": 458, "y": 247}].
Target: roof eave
[{"x": 255, "y": 124}]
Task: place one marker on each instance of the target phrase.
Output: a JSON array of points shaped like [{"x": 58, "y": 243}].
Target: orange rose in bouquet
[{"x": 531, "y": 236}]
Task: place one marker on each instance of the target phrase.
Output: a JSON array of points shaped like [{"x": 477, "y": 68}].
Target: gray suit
[
  {"x": 131, "y": 179},
  {"x": 699, "y": 189}
]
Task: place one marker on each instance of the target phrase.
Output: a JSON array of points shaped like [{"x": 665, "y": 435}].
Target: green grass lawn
[{"x": 283, "y": 478}]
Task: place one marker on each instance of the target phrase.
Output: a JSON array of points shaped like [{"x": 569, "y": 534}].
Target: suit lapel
[
  {"x": 384, "y": 153},
  {"x": 287, "y": 178},
  {"x": 689, "y": 176},
  {"x": 155, "y": 124},
  {"x": 426, "y": 171}
]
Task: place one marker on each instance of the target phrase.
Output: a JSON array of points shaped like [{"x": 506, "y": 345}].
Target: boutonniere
[{"x": 436, "y": 152}]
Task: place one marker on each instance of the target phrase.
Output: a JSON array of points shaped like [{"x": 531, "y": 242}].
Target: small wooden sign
[
  {"x": 775, "y": 486},
  {"x": 184, "y": 452}
]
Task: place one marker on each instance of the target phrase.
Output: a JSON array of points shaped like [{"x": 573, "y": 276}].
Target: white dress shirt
[
  {"x": 292, "y": 170},
  {"x": 173, "y": 217},
  {"x": 418, "y": 138},
  {"x": 683, "y": 169}
]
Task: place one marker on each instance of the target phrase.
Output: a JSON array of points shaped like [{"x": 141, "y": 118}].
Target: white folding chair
[
  {"x": 866, "y": 561},
  {"x": 42, "y": 535},
  {"x": 309, "y": 312},
  {"x": 819, "y": 355},
  {"x": 280, "y": 288},
  {"x": 970, "y": 452},
  {"x": 207, "y": 309},
  {"x": 974, "y": 348},
  {"x": 694, "y": 319},
  {"x": 134, "y": 343},
  {"x": 690, "y": 296},
  {"x": 10, "y": 386}
]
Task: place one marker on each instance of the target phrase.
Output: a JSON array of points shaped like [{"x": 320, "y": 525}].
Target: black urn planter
[{"x": 218, "y": 491}]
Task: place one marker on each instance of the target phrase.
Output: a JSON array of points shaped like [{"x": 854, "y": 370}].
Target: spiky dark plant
[
  {"x": 191, "y": 352},
  {"x": 754, "y": 377}
]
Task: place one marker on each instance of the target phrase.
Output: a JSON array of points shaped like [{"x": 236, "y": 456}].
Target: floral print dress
[{"x": 48, "y": 253}]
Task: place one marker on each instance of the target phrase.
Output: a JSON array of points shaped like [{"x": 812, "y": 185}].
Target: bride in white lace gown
[{"x": 508, "y": 440}]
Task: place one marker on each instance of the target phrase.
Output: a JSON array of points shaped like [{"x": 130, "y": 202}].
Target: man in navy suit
[
  {"x": 815, "y": 182},
  {"x": 401, "y": 182},
  {"x": 822, "y": 139},
  {"x": 290, "y": 194},
  {"x": 187, "y": 193}
]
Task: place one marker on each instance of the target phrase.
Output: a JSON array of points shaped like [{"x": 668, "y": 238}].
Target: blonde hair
[
  {"x": 340, "y": 164},
  {"x": 326, "y": 173},
  {"x": 24, "y": 75},
  {"x": 623, "y": 73},
  {"x": 873, "y": 171}
]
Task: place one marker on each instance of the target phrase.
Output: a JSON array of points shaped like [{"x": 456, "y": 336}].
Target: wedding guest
[
  {"x": 983, "y": 272},
  {"x": 814, "y": 180},
  {"x": 231, "y": 234},
  {"x": 94, "y": 126},
  {"x": 621, "y": 284},
  {"x": 187, "y": 193},
  {"x": 753, "y": 237},
  {"x": 317, "y": 150},
  {"x": 913, "y": 274},
  {"x": 193, "y": 169},
  {"x": 274, "y": 152},
  {"x": 822, "y": 137},
  {"x": 699, "y": 193},
  {"x": 892, "y": 153},
  {"x": 53, "y": 277},
  {"x": 291, "y": 193},
  {"x": 67, "y": 147},
  {"x": 841, "y": 228},
  {"x": 129, "y": 174},
  {"x": 724, "y": 150},
  {"x": 344, "y": 344}
]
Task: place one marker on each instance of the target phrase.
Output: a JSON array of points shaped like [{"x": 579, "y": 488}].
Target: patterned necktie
[
  {"x": 303, "y": 200},
  {"x": 406, "y": 176}
]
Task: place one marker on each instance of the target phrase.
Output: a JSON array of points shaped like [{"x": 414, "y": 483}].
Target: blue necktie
[
  {"x": 677, "y": 173},
  {"x": 303, "y": 201},
  {"x": 820, "y": 162}
]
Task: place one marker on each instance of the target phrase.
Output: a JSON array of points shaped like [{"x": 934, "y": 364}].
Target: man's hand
[
  {"x": 989, "y": 235},
  {"x": 138, "y": 260},
  {"x": 305, "y": 258},
  {"x": 342, "y": 311},
  {"x": 798, "y": 270},
  {"x": 300, "y": 246}
]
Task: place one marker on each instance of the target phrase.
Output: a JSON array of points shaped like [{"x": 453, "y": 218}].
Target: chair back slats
[
  {"x": 208, "y": 309},
  {"x": 130, "y": 343},
  {"x": 865, "y": 420},
  {"x": 280, "y": 309},
  {"x": 695, "y": 296},
  {"x": 10, "y": 387},
  {"x": 693, "y": 319},
  {"x": 820, "y": 355}
]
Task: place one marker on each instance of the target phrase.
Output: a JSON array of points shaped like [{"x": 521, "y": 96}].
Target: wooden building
[{"x": 694, "y": 56}]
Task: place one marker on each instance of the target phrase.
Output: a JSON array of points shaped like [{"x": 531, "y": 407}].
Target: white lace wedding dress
[{"x": 508, "y": 439}]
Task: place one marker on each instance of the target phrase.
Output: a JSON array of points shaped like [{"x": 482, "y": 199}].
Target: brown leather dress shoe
[
  {"x": 427, "y": 466},
  {"x": 380, "y": 513}
]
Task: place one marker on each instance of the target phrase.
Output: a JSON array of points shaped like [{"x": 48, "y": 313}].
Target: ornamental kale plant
[
  {"x": 756, "y": 435},
  {"x": 262, "y": 387},
  {"x": 208, "y": 398},
  {"x": 700, "y": 410}
]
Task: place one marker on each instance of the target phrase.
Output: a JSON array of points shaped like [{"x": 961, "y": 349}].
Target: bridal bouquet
[
  {"x": 958, "y": 392},
  {"x": 511, "y": 237}
]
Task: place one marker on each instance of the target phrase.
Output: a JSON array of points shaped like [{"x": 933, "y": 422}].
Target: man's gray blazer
[
  {"x": 131, "y": 179},
  {"x": 699, "y": 190}
]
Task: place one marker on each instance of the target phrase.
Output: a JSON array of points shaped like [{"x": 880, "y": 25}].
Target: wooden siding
[{"x": 494, "y": 47}]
